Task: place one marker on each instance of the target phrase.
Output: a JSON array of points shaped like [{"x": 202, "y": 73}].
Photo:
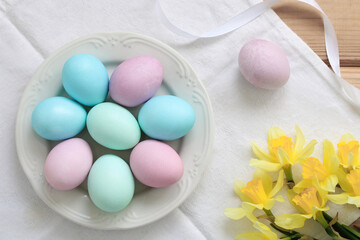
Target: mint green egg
[
  {"x": 110, "y": 183},
  {"x": 113, "y": 126}
]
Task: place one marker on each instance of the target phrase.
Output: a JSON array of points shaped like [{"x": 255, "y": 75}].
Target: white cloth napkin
[{"x": 31, "y": 30}]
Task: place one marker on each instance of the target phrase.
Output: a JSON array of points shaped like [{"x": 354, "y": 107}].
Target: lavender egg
[
  {"x": 136, "y": 80},
  {"x": 264, "y": 64}
]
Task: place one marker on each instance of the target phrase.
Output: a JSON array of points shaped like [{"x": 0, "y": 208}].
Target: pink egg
[
  {"x": 135, "y": 81},
  {"x": 156, "y": 164},
  {"x": 264, "y": 64},
  {"x": 68, "y": 164}
]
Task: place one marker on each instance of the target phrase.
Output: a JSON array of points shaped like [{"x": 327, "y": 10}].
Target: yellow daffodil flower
[
  {"x": 310, "y": 202},
  {"x": 350, "y": 183},
  {"x": 264, "y": 234},
  {"x": 257, "y": 194},
  {"x": 282, "y": 151},
  {"x": 324, "y": 173},
  {"x": 348, "y": 149}
]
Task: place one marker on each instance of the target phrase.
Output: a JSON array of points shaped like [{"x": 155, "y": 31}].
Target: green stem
[
  {"x": 293, "y": 237},
  {"x": 283, "y": 231},
  {"x": 269, "y": 213},
  {"x": 289, "y": 176},
  {"x": 343, "y": 230},
  {"x": 353, "y": 231},
  {"x": 320, "y": 218}
]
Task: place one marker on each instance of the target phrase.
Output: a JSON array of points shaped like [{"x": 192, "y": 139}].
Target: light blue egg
[
  {"x": 110, "y": 183},
  {"x": 166, "y": 117},
  {"x": 58, "y": 118},
  {"x": 85, "y": 79}
]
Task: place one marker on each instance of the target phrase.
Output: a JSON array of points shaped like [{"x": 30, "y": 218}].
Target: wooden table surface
[{"x": 306, "y": 21}]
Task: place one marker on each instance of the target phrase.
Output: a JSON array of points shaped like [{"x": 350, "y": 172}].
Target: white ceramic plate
[{"x": 148, "y": 204}]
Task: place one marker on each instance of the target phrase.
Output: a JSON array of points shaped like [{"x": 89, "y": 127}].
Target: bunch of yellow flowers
[{"x": 309, "y": 195}]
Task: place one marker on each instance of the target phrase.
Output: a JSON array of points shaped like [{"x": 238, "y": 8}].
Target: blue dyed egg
[
  {"x": 85, "y": 79},
  {"x": 166, "y": 117},
  {"x": 58, "y": 118}
]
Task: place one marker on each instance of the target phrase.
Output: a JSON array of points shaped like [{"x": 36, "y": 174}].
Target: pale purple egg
[
  {"x": 136, "y": 80},
  {"x": 264, "y": 64},
  {"x": 68, "y": 164},
  {"x": 156, "y": 164}
]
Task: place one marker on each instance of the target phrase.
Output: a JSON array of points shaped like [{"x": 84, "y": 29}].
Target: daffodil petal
[
  {"x": 275, "y": 132},
  {"x": 238, "y": 185},
  {"x": 354, "y": 200},
  {"x": 235, "y": 213},
  {"x": 322, "y": 193},
  {"x": 300, "y": 139},
  {"x": 316, "y": 209},
  {"x": 351, "y": 159},
  {"x": 266, "y": 179},
  {"x": 331, "y": 161},
  {"x": 251, "y": 206},
  {"x": 347, "y": 137},
  {"x": 344, "y": 184},
  {"x": 261, "y": 154},
  {"x": 306, "y": 152},
  {"x": 291, "y": 220},
  {"x": 265, "y": 230},
  {"x": 251, "y": 235},
  {"x": 300, "y": 186},
  {"x": 283, "y": 157},
  {"x": 269, "y": 204},
  {"x": 265, "y": 165},
  {"x": 279, "y": 198},
  {"x": 329, "y": 184},
  {"x": 341, "y": 198},
  {"x": 279, "y": 184}
]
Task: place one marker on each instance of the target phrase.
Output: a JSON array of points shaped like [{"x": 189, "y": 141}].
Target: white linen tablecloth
[{"x": 31, "y": 30}]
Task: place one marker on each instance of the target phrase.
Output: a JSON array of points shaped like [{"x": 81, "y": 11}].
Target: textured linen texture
[{"x": 31, "y": 30}]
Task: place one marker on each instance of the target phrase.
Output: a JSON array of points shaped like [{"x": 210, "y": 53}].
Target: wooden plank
[
  {"x": 307, "y": 23},
  {"x": 352, "y": 75}
]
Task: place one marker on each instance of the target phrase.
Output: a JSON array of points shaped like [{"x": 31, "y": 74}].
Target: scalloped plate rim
[{"x": 207, "y": 154}]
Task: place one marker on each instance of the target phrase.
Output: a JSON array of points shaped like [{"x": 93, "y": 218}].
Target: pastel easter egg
[
  {"x": 68, "y": 164},
  {"x": 166, "y": 117},
  {"x": 113, "y": 126},
  {"x": 135, "y": 80},
  {"x": 110, "y": 183},
  {"x": 156, "y": 164},
  {"x": 85, "y": 79},
  {"x": 58, "y": 118},
  {"x": 264, "y": 64}
]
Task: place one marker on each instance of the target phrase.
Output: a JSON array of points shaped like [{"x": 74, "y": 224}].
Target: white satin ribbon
[{"x": 255, "y": 11}]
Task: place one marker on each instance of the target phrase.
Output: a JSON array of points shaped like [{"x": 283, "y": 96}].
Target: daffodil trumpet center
[
  {"x": 307, "y": 199},
  {"x": 312, "y": 168},
  {"x": 255, "y": 191},
  {"x": 354, "y": 179},
  {"x": 283, "y": 142},
  {"x": 345, "y": 149}
]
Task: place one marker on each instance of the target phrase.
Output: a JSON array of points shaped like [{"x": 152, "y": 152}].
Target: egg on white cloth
[{"x": 264, "y": 64}]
